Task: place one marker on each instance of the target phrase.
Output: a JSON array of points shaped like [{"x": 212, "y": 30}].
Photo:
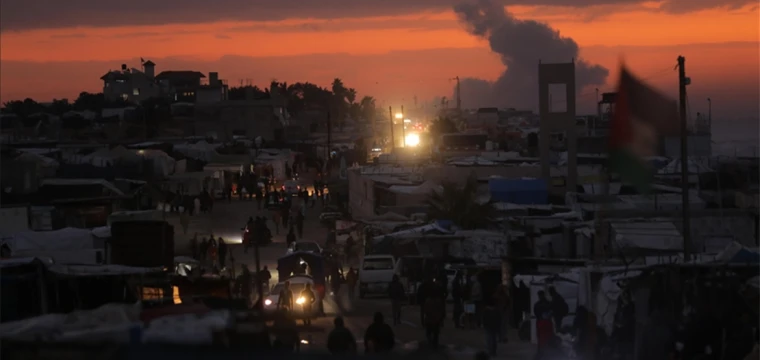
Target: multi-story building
[{"x": 178, "y": 86}]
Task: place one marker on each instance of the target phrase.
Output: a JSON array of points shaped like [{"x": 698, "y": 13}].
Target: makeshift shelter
[
  {"x": 46, "y": 167},
  {"x": 65, "y": 246},
  {"x": 109, "y": 157},
  {"x": 523, "y": 191}
]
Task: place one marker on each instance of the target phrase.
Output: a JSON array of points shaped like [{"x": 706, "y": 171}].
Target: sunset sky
[{"x": 390, "y": 49}]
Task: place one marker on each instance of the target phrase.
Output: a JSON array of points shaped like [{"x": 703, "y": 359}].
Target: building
[
  {"x": 131, "y": 84},
  {"x": 135, "y": 85}
]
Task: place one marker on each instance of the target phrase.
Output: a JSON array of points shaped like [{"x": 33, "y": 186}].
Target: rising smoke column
[{"x": 521, "y": 44}]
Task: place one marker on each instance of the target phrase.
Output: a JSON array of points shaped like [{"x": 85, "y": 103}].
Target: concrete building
[
  {"x": 179, "y": 86},
  {"x": 131, "y": 84},
  {"x": 556, "y": 101}
]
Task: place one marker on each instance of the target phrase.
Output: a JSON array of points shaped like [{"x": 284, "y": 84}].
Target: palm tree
[{"x": 460, "y": 205}]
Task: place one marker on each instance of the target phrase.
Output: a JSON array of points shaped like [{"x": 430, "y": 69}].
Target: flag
[
  {"x": 641, "y": 117},
  {"x": 142, "y": 61}
]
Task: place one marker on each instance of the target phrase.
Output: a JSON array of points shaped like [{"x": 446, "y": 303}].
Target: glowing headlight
[
  {"x": 300, "y": 300},
  {"x": 412, "y": 139},
  {"x": 267, "y": 302}
]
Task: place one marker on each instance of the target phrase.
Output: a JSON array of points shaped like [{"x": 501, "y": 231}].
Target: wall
[
  {"x": 361, "y": 195},
  {"x": 137, "y": 80},
  {"x": 209, "y": 94}
]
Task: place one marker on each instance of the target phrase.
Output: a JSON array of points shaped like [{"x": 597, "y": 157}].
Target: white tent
[
  {"x": 162, "y": 163},
  {"x": 64, "y": 239},
  {"x": 105, "y": 157}
]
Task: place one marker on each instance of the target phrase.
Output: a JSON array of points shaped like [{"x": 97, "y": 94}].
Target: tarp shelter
[
  {"x": 523, "y": 192},
  {"x": 200, "y": 150},
  {"x": 67, "y": 239},
  {"x": 163, "y": 164},
  {"x": 108, "y": 157},
  {"x": 737, "y": 253}
]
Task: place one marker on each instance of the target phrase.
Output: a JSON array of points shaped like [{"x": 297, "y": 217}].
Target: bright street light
[
  {"x": 412, "y": 139},
  {"x": 399, "y": 116}
]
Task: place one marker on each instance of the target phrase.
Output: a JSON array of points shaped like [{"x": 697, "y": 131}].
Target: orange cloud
[{"x": 394, "y": 58}]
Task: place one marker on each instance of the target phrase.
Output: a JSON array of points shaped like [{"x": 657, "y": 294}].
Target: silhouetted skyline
[{"x": 391, "y": 50}]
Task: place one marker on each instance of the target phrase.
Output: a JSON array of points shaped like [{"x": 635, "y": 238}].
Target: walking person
[
  {"x": 265, "y": 276},
  {"x": 434, "y": 310},
  {"x": 351, "y": 279},
  {"x": 308, "y": 302},
  {"x": 202, "y": 250},
  {"x": 184, "y": 221},
  {"x": 194, "y": 247},
  {"x": 222, "y": 253},
  {"x": 458, "y": 295},
  {"x": 379, "y": 337},
  {"x": 501, "y": 302},
  {"x": 542, "y": 310},
  {"x": 213, "y": 251},
  {"x": 397, "y": 294},
  {"x": 341, "y": 341},
  {"x": 291, "y": 237},
  {"x": 492, "y": 325},
  {"x": 286, "y": 297}
]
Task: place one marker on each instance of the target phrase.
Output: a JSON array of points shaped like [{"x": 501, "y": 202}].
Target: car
[
  {"x": 304, "y": 246},
  {"x": 297, "y": 285}
]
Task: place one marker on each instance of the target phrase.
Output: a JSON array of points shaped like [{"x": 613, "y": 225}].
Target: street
[{"x": 228, "y": 218}]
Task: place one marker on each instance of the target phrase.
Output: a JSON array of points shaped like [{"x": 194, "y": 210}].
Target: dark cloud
[
  {"x": 34, "y": 14},
  {"x": 337, "y": 26},
  {"x": 222, "y": 36},
  {"x": 521, "y": 44}
]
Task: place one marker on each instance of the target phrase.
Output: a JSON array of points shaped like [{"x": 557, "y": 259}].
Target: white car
[
  {"x": 297, "y": 285},
  {"x": 304, "y": 246}
]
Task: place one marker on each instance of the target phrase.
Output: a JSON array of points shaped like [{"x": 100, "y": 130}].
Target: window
[
  {"x": 120, "y": 81},
  {"x": 136, "y": 91},
  {"x": 378, "y": 264}
]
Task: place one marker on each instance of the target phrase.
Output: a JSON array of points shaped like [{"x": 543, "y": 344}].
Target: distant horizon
[{"x": 393, "y": 52}]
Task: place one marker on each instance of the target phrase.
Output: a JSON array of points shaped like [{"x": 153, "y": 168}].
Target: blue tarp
[{"x": 523, "y": 192}]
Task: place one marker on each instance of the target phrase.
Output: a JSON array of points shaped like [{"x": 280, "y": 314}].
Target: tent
[
  {"x": 736, "y": 253},
  {"x": 67, "y": 239},
  {"x": 524, "y": 191}
]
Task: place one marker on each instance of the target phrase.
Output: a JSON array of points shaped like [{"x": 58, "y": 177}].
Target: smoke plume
[{"x": 521, "y": 44}]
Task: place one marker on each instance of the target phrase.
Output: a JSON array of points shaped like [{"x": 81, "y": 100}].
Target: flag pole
[{"x": 686, "y": 228}]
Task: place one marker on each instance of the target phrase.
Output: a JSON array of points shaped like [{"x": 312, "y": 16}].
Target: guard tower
[{"x": 557, "y": 113}]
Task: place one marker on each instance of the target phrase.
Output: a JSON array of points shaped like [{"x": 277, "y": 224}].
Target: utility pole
[
  {"x": 686, "y": 231},
  {"x": 459, "y": 95},
  {"x": 709, "y": 113},
  {"x": 393, "y": 140},
  {"x": 329, "y": 143},
  {"x": 403, "y": 126}
]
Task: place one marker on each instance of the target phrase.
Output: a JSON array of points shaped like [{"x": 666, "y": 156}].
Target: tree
[
  {"x": 443, "y": 125},
  {"x": 239, "y": 93},
  {"x": 340, "y": 106},
  {"x": 23, "y": 108},
  {"x": 460, "y": 205},
  {"x": 60, "y": 107},
  {"x": 367, "y": 108}
]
